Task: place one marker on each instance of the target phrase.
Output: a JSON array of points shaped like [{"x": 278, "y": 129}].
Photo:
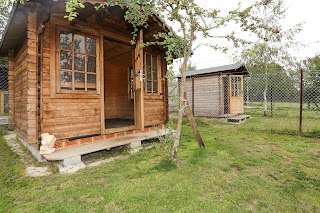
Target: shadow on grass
[{"x": 312, "y": 134}]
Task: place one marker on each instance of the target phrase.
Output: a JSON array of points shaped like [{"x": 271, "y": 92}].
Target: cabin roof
[
  {"x": 237, "y": 68},
  {"x": 15, "y": 32}
]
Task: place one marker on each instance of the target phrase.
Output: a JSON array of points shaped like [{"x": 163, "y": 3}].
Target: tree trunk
[
  {"x": 180, "y": 109},
  {"x": 179, "y": 126},
  {"x": 183, "y": 104},
  {"x": 192, "y": 122},
  {"x": 265, "y": 97}
]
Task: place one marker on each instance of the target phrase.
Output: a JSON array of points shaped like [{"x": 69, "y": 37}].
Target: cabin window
[
  {"x": 236, "y": 86},
  {"x": 150, "y": 73},
  {"x": 78, "y": 62}
]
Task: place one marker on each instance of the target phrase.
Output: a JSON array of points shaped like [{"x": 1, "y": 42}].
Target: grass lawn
[{"x": 244, "y": 168}]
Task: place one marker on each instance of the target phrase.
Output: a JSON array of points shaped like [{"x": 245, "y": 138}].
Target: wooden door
[
  {"x": 138, "y": 97},
  {"x": 236, "y": 94}
]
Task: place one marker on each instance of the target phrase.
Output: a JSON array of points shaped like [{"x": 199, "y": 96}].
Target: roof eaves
[
  {"x": 211, "y": 70},
  {"x": 13, "y": 10}
]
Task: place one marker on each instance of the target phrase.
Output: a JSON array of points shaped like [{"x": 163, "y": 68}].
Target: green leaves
[{"x": 71, "y": 8}]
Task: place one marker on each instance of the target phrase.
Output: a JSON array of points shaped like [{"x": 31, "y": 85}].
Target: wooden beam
[
  {"x": 93, "y": 2},
  {"x": 116, "y": 37},
  {"x": 117, "y": 55}
]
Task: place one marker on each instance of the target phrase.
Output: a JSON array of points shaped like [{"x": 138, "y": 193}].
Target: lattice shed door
[{"x": 236, "y": 94}]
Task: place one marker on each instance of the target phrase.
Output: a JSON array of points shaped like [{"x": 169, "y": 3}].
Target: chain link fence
[
  {"x": 4, "y": 98},
  {"x": 283, "y": 95},
  {"x": 220, "y": 96}
]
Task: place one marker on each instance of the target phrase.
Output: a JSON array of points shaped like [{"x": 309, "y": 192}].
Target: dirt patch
[
  {"x": 25, "y": 158},
  {"x": 91, "y": 200},
  {"x": 37, "y": 171},
  {"x": 235, "y": 170},
  {"x": 110, "y": 159},
  {"x": 314, "y": 152}
]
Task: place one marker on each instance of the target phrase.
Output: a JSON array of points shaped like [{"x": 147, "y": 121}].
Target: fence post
[
  {"x": 271, "y": 91},
  {"x": 301, "y": 99},
  {"x": 1, "y": 102}
]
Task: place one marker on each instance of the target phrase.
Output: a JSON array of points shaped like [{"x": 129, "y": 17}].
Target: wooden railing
[{"x": 2, "y": 102}]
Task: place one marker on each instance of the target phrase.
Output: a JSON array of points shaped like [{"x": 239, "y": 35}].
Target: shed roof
[{"x": 237, "y": 68}]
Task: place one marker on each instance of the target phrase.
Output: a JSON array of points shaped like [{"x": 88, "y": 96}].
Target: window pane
[
  {"x": 79, "y": 43},
  {"x": 79, "y": 63},
  {"x": 155, "y": 74},
  {"x": 155, "y": 87},
  {"x": 66, "y": 40},
  {"x": 149, "y": 86},
  {"x": 91, "y": 46},
  {"x": 91, "y": 64},
  {"x": 154, "y": 61},
  {"x": 66, "y": 60},
  {"x": 65, "y": 77},
  {"x": 148, "y": 73},
  {"x": 79, "y": 77},
  {"x": 148, "y": 60},
  {"x": 91, "y": 79}
]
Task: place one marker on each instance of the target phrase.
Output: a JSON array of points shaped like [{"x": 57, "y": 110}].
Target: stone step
[{"x": 238, "y": 119}]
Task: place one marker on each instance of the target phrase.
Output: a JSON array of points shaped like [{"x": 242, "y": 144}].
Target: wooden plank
[
  {"x": 104, "y": 144},
  {"x": 70, "y": 113},
  {"x": 77, "y": 106},
  {"x": 74, "y": 133},
  {"x": 120, "y": 129},
  {"x": 72, "y": 127},
  {"x": 70, "y": 120}
]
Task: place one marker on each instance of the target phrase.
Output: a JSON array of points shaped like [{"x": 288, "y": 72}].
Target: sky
[{"x": 297, "y": 11}]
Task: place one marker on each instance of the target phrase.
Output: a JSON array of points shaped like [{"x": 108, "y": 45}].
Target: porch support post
[{"x": 139, "y": 92}]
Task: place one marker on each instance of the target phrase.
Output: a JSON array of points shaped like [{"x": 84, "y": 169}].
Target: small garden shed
[
  {"x": 82, "y": 81},
  {"x": 216, "y": 91}
]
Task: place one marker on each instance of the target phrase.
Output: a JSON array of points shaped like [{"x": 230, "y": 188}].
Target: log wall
[
  {"x": 20, "y": 92},
  {"x": 69, "y": 116},
  {"x": 156, "y": 105}
]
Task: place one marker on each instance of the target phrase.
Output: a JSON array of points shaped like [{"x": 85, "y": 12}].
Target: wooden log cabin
[
  {"x": 82, "y": 81},
  {"x": 216, "y": 91}
]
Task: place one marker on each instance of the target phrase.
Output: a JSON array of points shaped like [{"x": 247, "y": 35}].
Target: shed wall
[{"x": 208, "y": 95}]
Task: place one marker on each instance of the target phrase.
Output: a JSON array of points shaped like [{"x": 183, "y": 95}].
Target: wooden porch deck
[{"x": 70, "y": 152}]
